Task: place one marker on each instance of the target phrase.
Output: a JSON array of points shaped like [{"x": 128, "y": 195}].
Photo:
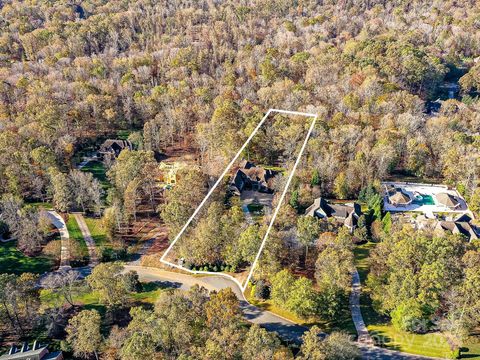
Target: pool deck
[{"x": 425, "y": 189}]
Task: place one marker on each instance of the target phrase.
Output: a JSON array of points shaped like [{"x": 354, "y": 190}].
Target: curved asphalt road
[{"x": 286, "y": 329}]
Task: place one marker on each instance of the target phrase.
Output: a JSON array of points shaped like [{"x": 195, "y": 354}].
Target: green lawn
[
  {"x": 90, "y": 299},
  {"x": 433, "y": 344},
  {"x": 78, "y": 247},
  {"x": 97, "y": 231},
  {"x": 40, "y": 204},
  {"x": 107, "y": 250},
  {"x": 124, "y": 134},
  {"x": 149, "y": 294},
  {"x": 274, "y": 168},
  {"x": 15, "y": 262},
  {"x": 471, "y": 350},
  {"x": 99, "y": 172},
  {"x": 361, "y": 253},
  {"x": 342, "y": 323}
]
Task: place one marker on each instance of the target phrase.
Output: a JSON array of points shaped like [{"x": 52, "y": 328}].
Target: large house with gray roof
[
  {"x": 462, "y": 226},
  {"x": 347, "y": 214},
  {"x": 251, "y": 177},
  {"x": 111, "y": 148}
]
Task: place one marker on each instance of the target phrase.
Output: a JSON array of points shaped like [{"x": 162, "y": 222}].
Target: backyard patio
[{"x": 425, "y": 198}]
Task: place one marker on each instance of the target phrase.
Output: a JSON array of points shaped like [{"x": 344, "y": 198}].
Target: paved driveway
[{"x": 58, "y": 222}]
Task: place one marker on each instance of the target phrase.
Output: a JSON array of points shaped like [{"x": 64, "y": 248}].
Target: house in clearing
[
  {"x": 462, "y": 225},
  {"x": 169, "y": 172},
  {"x": 347, "y": 214},
  {"x": 111, "y": 148},
  {"x": 251, "y": 177}
]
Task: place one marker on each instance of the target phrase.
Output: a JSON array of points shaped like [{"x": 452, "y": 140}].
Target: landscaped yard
[
  {"x": 90, "y": 299},
  {"x": 14, "y": 261},
  {"x": 432, "y": 344},
  {"x": 78, "y": 247},
  {"x": 97, "y": 231},
  {"x": 98, "y": 171}
]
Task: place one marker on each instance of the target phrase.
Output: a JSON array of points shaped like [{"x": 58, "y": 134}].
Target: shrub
[
  {"x": 409, "y": 316},
  {"x": 131, "y": 281},
  {"x": 360, "y": 235},
  {"x": 261, "y": 290},
  {"x": 454, "y": 354},
  {"x": 53, "y": 249},
  {"x": 387, "y": 223},
  {"x": 253, "y": 291}
]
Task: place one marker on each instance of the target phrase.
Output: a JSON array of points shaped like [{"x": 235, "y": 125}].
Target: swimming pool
[{"x": 426, "y": 200}]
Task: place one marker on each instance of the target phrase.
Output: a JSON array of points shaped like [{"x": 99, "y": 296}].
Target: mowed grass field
[
  {"x": 99, "y": 172},
  {"x": 78, "y": 247},
  {"x": 90, "y": 299},
  {"x": 96, "y": 230}
]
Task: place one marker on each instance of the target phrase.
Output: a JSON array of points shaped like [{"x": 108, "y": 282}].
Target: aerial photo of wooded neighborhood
[{"x": 249, "y": 179}]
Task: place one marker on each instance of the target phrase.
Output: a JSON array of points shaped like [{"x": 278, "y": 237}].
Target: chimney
[
  {"x": 13, "y": 350},
  {"x": 24, "y": 347}
]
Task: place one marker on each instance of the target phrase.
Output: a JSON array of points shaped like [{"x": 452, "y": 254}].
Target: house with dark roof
[
  {"x": 36, "y": 352},
  {"x": 251, "y": 177},
  {"x": 462, "y": 225},
  {"x": 113, "y": 147},
  {"x": 347, "y": 214}
]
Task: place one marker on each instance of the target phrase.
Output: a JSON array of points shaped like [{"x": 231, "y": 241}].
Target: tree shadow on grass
[
  {"x": 102, "y": 309},
  {"x": 466, "y": 354},
  {"x": 156, "y": 285},
  {"x": 381, "y": 339}
]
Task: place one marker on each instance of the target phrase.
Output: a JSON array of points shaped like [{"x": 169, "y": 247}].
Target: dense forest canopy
[
  {"x": 71, "y": 72},
  {"x": 395, "y": 85}
]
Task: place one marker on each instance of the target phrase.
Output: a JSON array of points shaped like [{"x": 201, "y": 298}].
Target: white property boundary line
[{"x": 287, "y": 185}]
